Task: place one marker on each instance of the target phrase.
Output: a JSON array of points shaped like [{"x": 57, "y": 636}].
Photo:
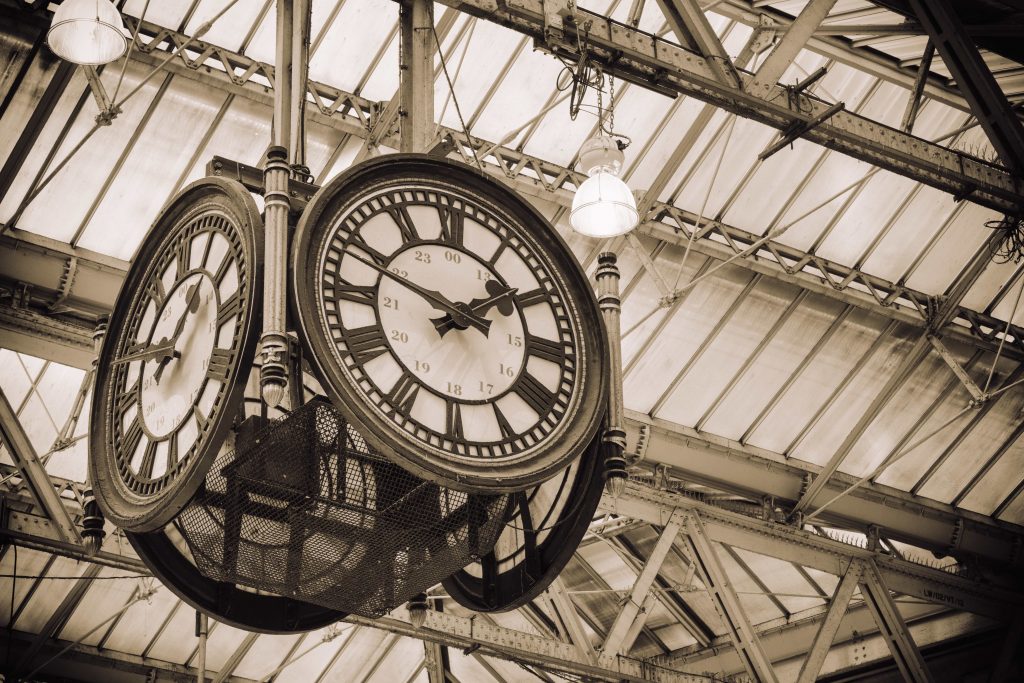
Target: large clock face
[
  {"x": 450, "y": 321},
  {"x": 168, "y": 374}
]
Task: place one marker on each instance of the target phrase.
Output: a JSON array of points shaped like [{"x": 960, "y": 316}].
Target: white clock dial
[
  {"x": 448, "y": 323},
  {"x": 168, "y": 365}
]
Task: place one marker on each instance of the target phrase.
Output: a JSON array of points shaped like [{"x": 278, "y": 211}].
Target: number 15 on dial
[{"x": 450, "y": 323}]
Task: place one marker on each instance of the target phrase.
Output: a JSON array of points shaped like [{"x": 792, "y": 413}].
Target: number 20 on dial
[{"x": 450, "y": 322}]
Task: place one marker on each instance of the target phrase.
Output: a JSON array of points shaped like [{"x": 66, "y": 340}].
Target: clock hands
[
  {"x": 162, "y": 351},
  {"x": 499, "y": 296},
  {"x": 461, "y": 314}
]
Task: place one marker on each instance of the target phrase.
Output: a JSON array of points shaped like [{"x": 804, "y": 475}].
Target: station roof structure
[{"x": 821, "y": 316}]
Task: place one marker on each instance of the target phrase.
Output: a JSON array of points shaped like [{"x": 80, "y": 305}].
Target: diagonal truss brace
[
  {"x": 892, "y": 627},
  {"x": 727, "y": 602},
  {"x": 972, "y": 388},
  {"x": 830, "y": 626},
  {"x": 691, "y": 26},
  {"x": 632, "y": 611},
  {"x": 566, "y": 612},
  {"x": 13, "y": 436}
]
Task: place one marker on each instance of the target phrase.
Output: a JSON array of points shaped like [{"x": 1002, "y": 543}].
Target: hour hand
[
  {"x": 498, "y": 296},
  {"x": 459, "y": 313},
  {"x": 162, "y": 351}
]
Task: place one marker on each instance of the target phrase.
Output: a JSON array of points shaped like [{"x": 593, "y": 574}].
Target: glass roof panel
[
  {"x": 780, "y": 358},
  {"x": 1000, "y": 481},
  {"x": 345, "y": 54},
  {"x": 1014, "y": 511},
  {"x": 976, "y": 447},
  {"x": 101, "y": 602},
  {"x": 221, "y": 643},
  {"x": 822, "y": 376},
  {"x": 757, "y": 606},
  {"x": 745, "y": 330},
  {"x": 59, "y": 210},
  {"x": 825, "y": 437},
  {"x": 679, "y": 339},
  {"x": 53, "y": 591},
  {"x": 783, "y": 579},
  {"x": 243, "y": 135},
  {"x": 15, "y": 379},
  {"x": 30, "y": 563},
  {"x": 267, "y": 653},
  {"x": 915, "y": 227},
  {"x": 169, "y": 13},
  {"x": 150, "y": 174},
  {"x": 965, "y": 234},
  {"x": 230, "y": 29},
  {"x": 140, "y": 624},
  {"x": 309, "y": 665}
]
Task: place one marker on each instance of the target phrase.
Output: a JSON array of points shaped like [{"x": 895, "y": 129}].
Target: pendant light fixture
[
  {"x": 87, "y": 32},
  {"x": 603, "y": 205}
]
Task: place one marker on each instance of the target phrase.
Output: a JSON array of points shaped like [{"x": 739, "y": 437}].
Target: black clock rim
[
  {"x": 380, "y": 433},
  {"x": 151, "y": 515},
  {"x": 515, "y": 587},
  {"x": 225, "y": 602}
]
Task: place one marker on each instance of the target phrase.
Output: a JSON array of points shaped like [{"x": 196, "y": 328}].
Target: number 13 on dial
[{"x": 450, "y": 323}]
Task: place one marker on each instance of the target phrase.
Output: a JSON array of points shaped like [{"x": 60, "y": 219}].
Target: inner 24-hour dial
[{"x": 449, "y": 322}]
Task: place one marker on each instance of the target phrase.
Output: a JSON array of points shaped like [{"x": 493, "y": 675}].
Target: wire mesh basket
[{"x": 302, "y": 508}]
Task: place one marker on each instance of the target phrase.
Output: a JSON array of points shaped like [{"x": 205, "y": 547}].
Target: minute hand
[{"x": 436, "y": 298}]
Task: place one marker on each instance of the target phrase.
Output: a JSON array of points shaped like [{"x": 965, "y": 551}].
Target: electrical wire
[{"x": 455, "y": 100}]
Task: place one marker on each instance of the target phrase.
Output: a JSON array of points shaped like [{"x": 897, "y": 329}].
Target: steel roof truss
[{"x": 830, "y": 624}]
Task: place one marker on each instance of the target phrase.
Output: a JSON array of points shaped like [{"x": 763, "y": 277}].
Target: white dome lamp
[
  {"x": 603, "y": 205},
  {"x": 87, "y": 32}
]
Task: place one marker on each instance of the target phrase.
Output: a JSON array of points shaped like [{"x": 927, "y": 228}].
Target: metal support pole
[
  {"x": 274, "y": 340},
  {"x": 92, "y": 517},
  {"x": 301, "y": 18},
  {"x": 202, "y": 629},
  {"x": 615, "y": 434},
  {"x": 416, "y": 73}
]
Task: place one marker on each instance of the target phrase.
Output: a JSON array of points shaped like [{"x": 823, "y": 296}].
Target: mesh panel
[{"x": 304, "y": 509}]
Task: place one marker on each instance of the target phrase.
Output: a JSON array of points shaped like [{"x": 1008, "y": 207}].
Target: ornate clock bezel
[
  {"x": 499, "y": 589},
  {"x": 126, "y": 508},
  {"x": 487, "y": 475}
]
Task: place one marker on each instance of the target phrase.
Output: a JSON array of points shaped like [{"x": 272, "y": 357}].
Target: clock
[
  {"x": 168, "y": 379},
  {"x": 450, "y": 323},
  {"x": 545, "y": 526},
  {"x": 167, "y": 556}
]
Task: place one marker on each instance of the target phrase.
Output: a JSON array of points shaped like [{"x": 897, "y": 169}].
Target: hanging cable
[
  {"x": 455, "y": 100},
  {"x": 1012, "y": 248}
]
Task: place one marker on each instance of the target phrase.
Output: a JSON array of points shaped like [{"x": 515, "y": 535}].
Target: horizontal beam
[
  {"x": 824, "y": 554},
  {"x": 90, "y": 291},
  {"x": 651, "y": 62},
  {"x": 755, "y": 472},
  {"x": 85, "y": 662}
]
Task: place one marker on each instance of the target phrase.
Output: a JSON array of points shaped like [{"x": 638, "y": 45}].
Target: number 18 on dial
[{"x": 450, "y": 322}]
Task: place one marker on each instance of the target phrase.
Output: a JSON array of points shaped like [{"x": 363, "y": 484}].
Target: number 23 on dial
[{"x": 456, "y": 338}]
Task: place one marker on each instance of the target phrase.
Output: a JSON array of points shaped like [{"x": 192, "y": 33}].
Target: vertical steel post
[
  {"x": 302, "y": 16},
  {"x": 92, "y": 516},
  {"x": 202, "y": 629},
  {"x": 274, "y": 340},
  {"x": 615, "y": 434},
  {"x": 416, "y": 74}
]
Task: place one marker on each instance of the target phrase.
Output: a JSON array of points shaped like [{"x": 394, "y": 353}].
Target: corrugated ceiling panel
[
  {"x": 794, "y": 340},
  {"x": 811, "y": 390},
  {"x": 683, "y": 334},
  {"x": 150, "y": 173},
  {"x": 709, "y": 375},
  {"x": 825, "y": 437}
]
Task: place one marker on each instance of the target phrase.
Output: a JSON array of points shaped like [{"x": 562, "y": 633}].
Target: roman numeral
[
  {"x": 358, "y": 242},
  {"x": 452, "y": 225},
  {"x": 219, "y": 364},
  {"x": 403, "y": 395},
  {"x": 182, "y": 257},
  {"x": 543, "y": 348},
  {"x": 403, "y": 220},
  {"x": 131, "y": 437},
  {"x": 532, "y": 297},
  {"x": 148, "y": 458},
  {"x": 534, "y": 393},
  {"x": 453, "y": 420},
  {"x": 506, "y": 429},
  {"x": 201, "y": 419},
  {"x": 357, "y": 293},
  {"x": 158, "y": 293},
  {"x": 223, "y": 268},
  {"x": 366, "y": 343},
  {"x": 229, "y": 309},
  {"x": 126, "y": 399}
]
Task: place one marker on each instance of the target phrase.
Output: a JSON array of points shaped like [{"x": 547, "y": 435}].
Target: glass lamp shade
[
  {"x": 87, "y": 32},
  {"x": 603, "y": 207}
]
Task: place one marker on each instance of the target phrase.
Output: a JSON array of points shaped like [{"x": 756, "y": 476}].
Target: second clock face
[{"x": 450, "y": 324}]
